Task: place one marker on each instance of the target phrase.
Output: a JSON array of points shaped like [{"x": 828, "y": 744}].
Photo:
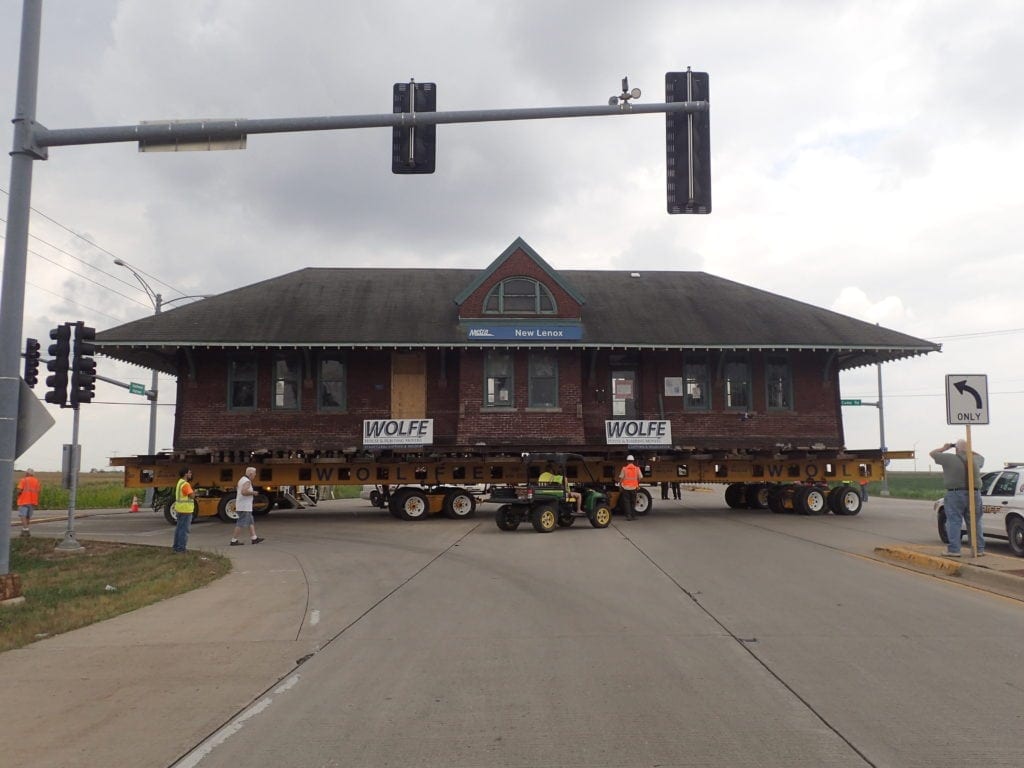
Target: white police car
[{"x": 1002, "y": 496}]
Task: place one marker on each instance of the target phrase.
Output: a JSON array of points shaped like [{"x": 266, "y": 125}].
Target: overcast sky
[{"x": 867, "y": 157}]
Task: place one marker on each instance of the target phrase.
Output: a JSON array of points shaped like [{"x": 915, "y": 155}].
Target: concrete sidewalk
[{"x": 143, "y": 688}]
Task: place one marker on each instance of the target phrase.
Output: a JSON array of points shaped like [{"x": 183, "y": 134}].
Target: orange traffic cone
[{"x": 135, "y": 504}]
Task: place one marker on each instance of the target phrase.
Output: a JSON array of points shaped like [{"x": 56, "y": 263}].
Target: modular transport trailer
[{"x": 419, "y": 484}]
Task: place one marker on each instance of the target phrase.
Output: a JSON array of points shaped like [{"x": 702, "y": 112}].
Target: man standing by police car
[{"x": 957, "y": 502}]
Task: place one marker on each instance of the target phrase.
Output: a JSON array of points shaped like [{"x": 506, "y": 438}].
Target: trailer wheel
[
  {"x": 261, "y": 504},
  {"x": 395, "y": 501},
  {"x": 506, "y": 517},
  {"x": 736, "y": 496},
  {"x": 601, "y": 516},
  {"x": 848, "y": 502},
  {"x": 1015, "y": 534},
  {"x": 644, "y": 502},
  {"x": 544, "y": 518},
  {"x": 171, "y": 516},
  {"x": 414, "y": 505},
  {"x": 459, "y": 504},
  {"x": 757, "y": 496},
  {"x": 810, "y": 500},
  {"x": 775, "y": 499},
  {"x": 376, "y": 499},
  {"x": 226, "y": 507}
]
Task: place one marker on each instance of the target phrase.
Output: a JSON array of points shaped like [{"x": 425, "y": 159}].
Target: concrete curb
[{"x": 992, "y": 579}]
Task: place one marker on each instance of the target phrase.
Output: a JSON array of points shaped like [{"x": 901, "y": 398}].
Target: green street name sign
[
  {"x": 140, "y": 389},
  {"x": 850, "y": 402}
]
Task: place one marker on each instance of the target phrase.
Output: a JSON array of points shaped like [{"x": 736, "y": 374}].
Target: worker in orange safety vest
[{"x": 629, "y": 484}]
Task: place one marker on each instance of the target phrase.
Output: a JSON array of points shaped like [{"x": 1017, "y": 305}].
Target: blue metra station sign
[{"x": 525, "y": 333}]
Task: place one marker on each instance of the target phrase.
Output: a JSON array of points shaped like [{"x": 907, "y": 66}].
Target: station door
[{"x": 408, "y": 385}]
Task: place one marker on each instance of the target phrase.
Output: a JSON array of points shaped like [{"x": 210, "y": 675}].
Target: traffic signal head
[
  {"x": 84, "y": 338},
  {"x": 83, "y": 367},
  {"x": 688, "y": 144},
  {"x": 58, "y": 365},
  {"x": 31, "y": 362},
  {"x": 413, "y": 148}
]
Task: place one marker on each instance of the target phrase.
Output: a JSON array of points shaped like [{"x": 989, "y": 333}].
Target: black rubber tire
[
  {"x": 736, "y": 496},
  {"x": 1015, "y": 535},
  {"x": 566, "y": 519},
  {"x": 544, "y": 518},
  {"x": 261, "y": 504},
  {"x": 940, "y": 520},
  {"x": 506, "y": 517},
  {"x": 459, "y": 504},
  {"x": 644, "y": 502},
  {"x": 848, "y": 502},
  {"x": 376, "y": 498},
  {"x": 395, "y": 501},
  {"x": 415, "y": 505},
  {"x": 600, "y": 516},
  {"x": 775, "y": 493},
  {"x": 226, "y": 507},
  {"x": 169, "y": 514},
  {"x": 757, "y": 496},
  {"x": 810, "y": 500}
]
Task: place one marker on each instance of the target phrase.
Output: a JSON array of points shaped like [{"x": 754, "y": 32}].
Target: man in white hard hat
[{"x": 629, "y": 484}]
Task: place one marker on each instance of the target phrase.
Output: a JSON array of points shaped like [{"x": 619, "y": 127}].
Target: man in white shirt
[{"x": 243, "y": 506}]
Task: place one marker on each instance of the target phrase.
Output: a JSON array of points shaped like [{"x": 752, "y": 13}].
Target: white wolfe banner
[
  {"x": 393, "y": 432},
  {"x": 638, "y": 432}
]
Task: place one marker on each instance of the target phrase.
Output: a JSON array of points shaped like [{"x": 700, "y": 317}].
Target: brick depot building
[{"x": 516, "y": 356}]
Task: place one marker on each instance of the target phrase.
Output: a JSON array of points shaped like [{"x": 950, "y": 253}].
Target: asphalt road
[{"x": 696, "y": 636}]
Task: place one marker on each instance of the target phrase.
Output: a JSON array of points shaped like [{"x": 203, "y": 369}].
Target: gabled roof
[
  {"x": 339, "y": 308},
  {"x": 518, "y": 245}
]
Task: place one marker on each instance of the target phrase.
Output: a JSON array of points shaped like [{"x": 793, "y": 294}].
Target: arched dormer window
[{"x": 519, "y": 296}]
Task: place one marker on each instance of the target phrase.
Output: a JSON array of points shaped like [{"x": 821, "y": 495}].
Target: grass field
[
  {"x": 68, "y": 590},
  {"x": 911, "y": 485}
]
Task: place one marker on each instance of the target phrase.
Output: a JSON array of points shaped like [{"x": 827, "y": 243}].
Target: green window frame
[
  {"x": 696, "y": 389},
  {"x": 519, "y": 296},
  {"x": 332, "y": 383},
  {"x": 543, "y": 380},
  {"x": 242, "y": 383},
  {"x": 287, "y": 382},
  {"x": 736, "y": 381},
  {"x": 778, "y": 384},
  {"x": 499, "y": 380}
]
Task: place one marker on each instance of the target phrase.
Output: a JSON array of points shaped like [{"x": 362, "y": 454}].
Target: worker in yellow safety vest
[
  {"x": 629, "y": 484},
  {"x": 184, "y": 506}
]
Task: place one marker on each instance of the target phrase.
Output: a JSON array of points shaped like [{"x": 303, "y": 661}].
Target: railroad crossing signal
[
  {"x": 413, "y": 149},
  {"x": 688, "y": 144},
  {"x": 966, "y": 399},
  {"x": 31, "y": 362}
]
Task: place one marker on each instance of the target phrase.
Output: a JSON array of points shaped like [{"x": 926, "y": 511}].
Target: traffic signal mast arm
[{"x": 192, "y": 131}]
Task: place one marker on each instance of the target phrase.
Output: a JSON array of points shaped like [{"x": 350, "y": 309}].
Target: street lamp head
[{"x": 120, "y": 263}]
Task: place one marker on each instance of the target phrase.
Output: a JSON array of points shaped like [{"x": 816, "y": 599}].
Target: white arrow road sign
[{"x": 967, "y": 399}]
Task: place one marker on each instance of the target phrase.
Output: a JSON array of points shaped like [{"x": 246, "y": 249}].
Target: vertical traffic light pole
[
  {"x": 69, "y": 543},
  {"x": 12, "y": 296}
]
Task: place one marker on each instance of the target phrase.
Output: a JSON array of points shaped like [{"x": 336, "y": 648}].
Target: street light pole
[{"x": 157, "y": 301}]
